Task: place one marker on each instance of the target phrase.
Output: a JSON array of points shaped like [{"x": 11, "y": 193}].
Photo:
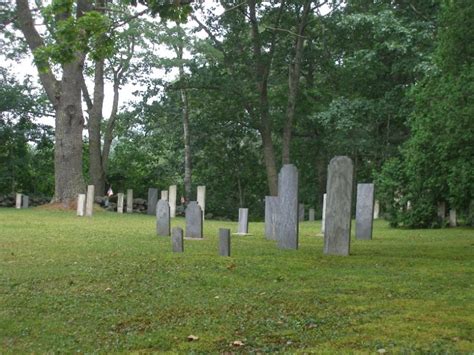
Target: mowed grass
[{"x": 108, "y": 283}]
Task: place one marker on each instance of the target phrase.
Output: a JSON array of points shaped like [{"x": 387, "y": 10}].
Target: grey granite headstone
[
  {"x": 224, "y": 242},
  {"x": 164, "y": 195},
  {"x": 18, "y": 201},
  {"x": 376, "y": 209},
  {"x": 301, "y": 212},
  {"x": 201, "y": 199},
  {"x": 152, "y": 200},
  {"x": 120, "y": 198},
  {"x": 271, "y": 210},
  {"x": 172, "y": 200},
  {"x": 364, "y": 211},
  {"x": 311, "y": 214},
  {"x": 287, "y": 221},
  {"x": 90, "y": 200},
  {"x": 81, "y": 205},
  {"x": 452, "y": 218},
  {"x": 129, "y": 201},
  {"x": 243, "y": 227},
  {"x": 323, "y": 215},
  {"x": 337, "y": 230},
  {"x": 177, "y": 240},
  {"x": 163, "y": 218},
  {"x": 193, "y": 220},
  {"x": 25, "y": 201}
]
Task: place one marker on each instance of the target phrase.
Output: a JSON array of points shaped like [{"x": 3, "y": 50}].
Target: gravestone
[
  {"x": 364, "y": 211},
  {"x": 90, "y": 200},
  {"x": 81, "y": 204},
  {"x": 152, "y": 200},
  {"x": 376, "y": 209},
  {"x": 271, "y": 210},
  {"x": 177, "y": 240},
  {"x": 120, "y": 198},
  {"x": 18, "y": 201},
  {"x": 201, "y": 198},
  {"x": 311, "y": 214},
  {"x": 224, "y": 242},
  {"x": 243, "y": 227},
  {"x": 408, "y": 205},
  {"x": 193, "y": 220},
  {"x": 323, "y": 215},
  {"x": 25, "y": 201},
  {"x": 172, "y": 200},
  {"x": 337, "y": 230},
  {"x": 287, "y": 221},
  {"x": 441, "y": 210},
  {"x": 164, "y": 195},
  {"x": 163, "y": 218},
  {"x": 301, "y": 212},
  {"x": 129, "y": 201},
  {"x": 452, "y": 218}
]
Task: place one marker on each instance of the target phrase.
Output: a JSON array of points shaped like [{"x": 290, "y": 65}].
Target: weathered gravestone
[
  {"x": 193, "y": 220},
  {"x": 301, "y": 212},
  {"x": 323, "y": 215},
  {"x": 177, "y": 240},
  {"x": 271, "y": 211},
  {"x": 441, "y": 210},
  {"x": 376, "y": 209},
  {"x": 163, "y": 218},
  {"x": 18, "y": 201},
  {"x": 311, "y": 214},
  {"x": 287, "y": 220},
  {"x": 129, "y": 201},
  {"x": 337, "y": 230},
  {"x": 120, "y": 198},
  {"x": 81, "y": 204},
  {"x": 90, "y": 200},
  {"x": 201, "y": 198},
  {"x": 452, "y": 218},
  {"x": 25, "y": 201},
  {"x": 364, "y": 211},
  {"x": 224, "y": 242},
  {"x": 152, "y": 201},
  {"x": 172, "y": 200},
  {"x": 164, "y": 195},
  {"x": 243, "y": 226}
]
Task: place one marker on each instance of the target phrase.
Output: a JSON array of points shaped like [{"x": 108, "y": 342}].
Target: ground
[{"x": 108, "y": 283}]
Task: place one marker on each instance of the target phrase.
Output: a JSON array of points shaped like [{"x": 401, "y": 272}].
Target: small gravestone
[
  {"x": 287, "y": 221},
  {"x": 163, "y": 218},
  {"x": 172, "y": 200},
  {"x": 441, "y": 210},
  {"x": 81, "y": 204},
  {"x": 201, "y": 198},
  {"x": 452, "y": 218},
  {"x": 90, "y": 200},
  {"x": 152, "y": 200},
  {"x": 301, "y": 212},
  {"x": 364, "y": 211},
  {"x": 243, "y": 226},
  {"x": 177, "y": 240},
  {"x": 323, "y": 215},
  {"x": 25, "y": 201},
  {"x": 224, "y": 242},
  {"x": 193, "y": 220},
  {"x": 337, "y": 230},
  {"x": 164, "y": 195},
  {"x": 129, "y": 201},
  {"x": 311, "y": 214},
  {"x": 18, "y": 201},
  {"x": 376, "y": 209},
  {"x": 271, "y": 208},
  {"x": 120, "y": 198}
]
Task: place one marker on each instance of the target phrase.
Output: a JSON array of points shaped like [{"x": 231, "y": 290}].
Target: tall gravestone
[
  {"x": 120, "y": 198},
  {"x": 164, "y": 195},
  {"x": 364, "y": 211},
  {"x": 129, "y": 201},
  {"x": 193, "y": 220},
  {"x": 201, "y": 199},
  {"x": 243, "y": 227},
  {"x": 25, "y": 201},
  {"x": 452, "y": 218},
  {"x": 90, "y": 200},
  {"x": 18, "y": 201},
  {"x": 337, "y": 230},
  {"x": 81, "y": 205},
  {"x": 301, "y": 212},
  {"x": 163, "y": 218},
  {"x": 376, "y": 209},
  {"x": 311, "y": 214},
  {"x": 271, "y": 211},
  {"x": 177, "y": 240},
  {"x": 172, "y": 200},
  {"x": 287, "y": 221},
  {"x": 224, "y": 242},
  {"x": 152, "y": 200},
  {"x": 323, "y": 215}
]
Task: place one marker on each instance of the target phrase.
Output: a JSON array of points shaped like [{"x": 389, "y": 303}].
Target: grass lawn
[{"x": 72, "y": 284}]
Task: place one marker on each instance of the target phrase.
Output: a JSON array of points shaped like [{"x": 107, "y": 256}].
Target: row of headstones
[
  {"x": 281, "y": 212},
  {"x": 312, "y": 212},
  {"x": 22, "y": 201},
  {"x": 452, "y": 218},
  {"x": 177, "y": 241}
]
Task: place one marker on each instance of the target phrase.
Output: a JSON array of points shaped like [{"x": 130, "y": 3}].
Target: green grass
[{"x": 70, "y": 284}]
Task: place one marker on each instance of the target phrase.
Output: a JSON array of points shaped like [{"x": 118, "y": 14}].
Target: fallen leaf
[
  {"x": 381, "y": 351},
  {"x": 108, "y": 289},
  {"x": 192, "y": 338},
  {"x": 237, "y": 343}
]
